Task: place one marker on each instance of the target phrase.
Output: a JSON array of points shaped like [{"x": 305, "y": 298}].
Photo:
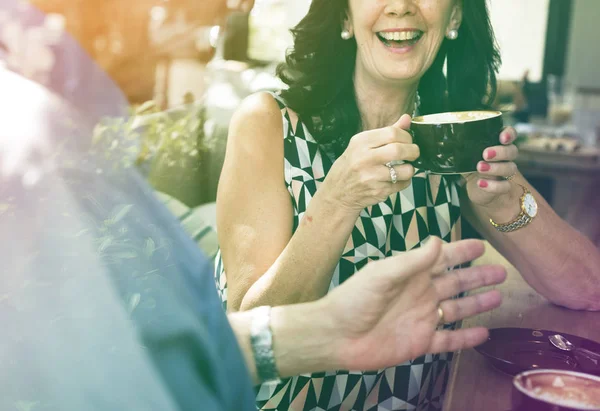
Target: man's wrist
[
  {"x": 261, "y": 340},
  {"x": 304, "y": 339}
]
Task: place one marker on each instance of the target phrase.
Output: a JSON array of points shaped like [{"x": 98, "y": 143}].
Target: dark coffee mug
[
  {"x": 555, "y": 390},
  {"x": 454, "y": 142}
]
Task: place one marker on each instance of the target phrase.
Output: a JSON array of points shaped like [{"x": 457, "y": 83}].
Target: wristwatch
[
  {"x": 529, "y": 210},
  {"x": 261, "y": 340}
]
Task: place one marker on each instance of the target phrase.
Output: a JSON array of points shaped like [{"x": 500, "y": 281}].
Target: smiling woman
[
  {"x": 320, "y": 68},
  {"x": 323, "y": 172},
  {"x": 355, "y": 67}
]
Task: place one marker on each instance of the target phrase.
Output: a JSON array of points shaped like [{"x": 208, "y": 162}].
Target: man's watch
[
  {"x": 529, "y": 210},
  {"x": 261, "y": 340}
]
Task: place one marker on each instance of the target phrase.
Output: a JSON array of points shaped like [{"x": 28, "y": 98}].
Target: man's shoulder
[{"x": 167, "y": 284}]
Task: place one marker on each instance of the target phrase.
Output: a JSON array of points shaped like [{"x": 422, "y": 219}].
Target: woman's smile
[{"x": 399, "y": 41}]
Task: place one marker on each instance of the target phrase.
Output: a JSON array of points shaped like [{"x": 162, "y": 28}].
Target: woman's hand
[
  {"x": 360, "y": 178},
  {"x": 388, "y": 312},
  {"x": 490, "y": 182}
]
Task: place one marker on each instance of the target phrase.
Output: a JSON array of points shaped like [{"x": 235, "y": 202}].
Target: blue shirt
[{"x": 105, "y": 302}]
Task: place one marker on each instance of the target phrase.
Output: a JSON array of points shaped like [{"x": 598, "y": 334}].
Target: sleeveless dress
[{"x": 429, "y": 206}]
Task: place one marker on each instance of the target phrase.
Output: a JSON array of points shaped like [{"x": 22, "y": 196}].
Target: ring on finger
[
  {"x": 393, "y": 175},
  {"x": 509, "y": 178},
  {"x": 440, "y": 312}
]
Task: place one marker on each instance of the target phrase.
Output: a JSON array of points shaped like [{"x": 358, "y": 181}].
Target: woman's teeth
[
  {"x": 400, "y": 35},
  {"x": 402, "y": 38}
]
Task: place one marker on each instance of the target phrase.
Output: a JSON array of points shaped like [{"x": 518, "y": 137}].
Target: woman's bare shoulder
[
  {"x": 259, "y": 110},
  {"x": 256, "y": 128}
]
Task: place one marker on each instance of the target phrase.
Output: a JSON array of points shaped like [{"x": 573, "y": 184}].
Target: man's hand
[{"x": 387, "y": 313}]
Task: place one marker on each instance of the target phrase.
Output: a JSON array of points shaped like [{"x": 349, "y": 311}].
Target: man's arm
[
  {"x": 357, "y": 325},
  {"x": 300, "y": 340}
]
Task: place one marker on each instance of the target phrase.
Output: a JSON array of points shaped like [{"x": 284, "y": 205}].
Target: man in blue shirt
[{"x": 107, "y": 304}]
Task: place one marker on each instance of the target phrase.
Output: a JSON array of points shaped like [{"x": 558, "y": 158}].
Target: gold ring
[
  {"x": 509, "y": 178},
  {"x": 440, "y": 312}
]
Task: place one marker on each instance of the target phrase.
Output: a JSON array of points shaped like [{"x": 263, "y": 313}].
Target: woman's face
[{"x": 398, "y": 40}]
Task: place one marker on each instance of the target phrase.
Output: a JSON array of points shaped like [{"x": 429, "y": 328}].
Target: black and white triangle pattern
[{"x": 430, "y": 206}]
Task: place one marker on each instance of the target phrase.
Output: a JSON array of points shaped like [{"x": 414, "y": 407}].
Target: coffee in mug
[{"x": 555, "y": 390}]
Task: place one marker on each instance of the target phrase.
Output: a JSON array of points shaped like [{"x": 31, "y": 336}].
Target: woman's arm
[
  {"x": 265, "y": 265},
  {"x": 555, "y": 259}
]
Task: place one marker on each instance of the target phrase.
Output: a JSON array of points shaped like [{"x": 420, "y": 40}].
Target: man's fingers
[
  {"x": 459, "y": 309},
  {"x": 458, "y": 281},
  {"x": 412, "y": 262},
  {"x": 457, "y": 253},
  {"x": 448, "y": 341}
]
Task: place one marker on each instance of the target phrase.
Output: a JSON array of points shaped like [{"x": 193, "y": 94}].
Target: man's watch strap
[{"x": 261, "y": 340}]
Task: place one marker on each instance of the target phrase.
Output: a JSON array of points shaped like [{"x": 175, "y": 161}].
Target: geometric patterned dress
[{"x": 429, "y": 206}]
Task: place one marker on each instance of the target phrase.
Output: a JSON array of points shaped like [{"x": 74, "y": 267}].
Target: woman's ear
[
  {"x": 456, "y": 16},
  {"x": 347, "y": 19},
  {"x": 347, "y": 24},
  {"x": 347, "y": 32}
]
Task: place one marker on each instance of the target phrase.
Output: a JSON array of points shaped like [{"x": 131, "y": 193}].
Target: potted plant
[{"x": 166, "y": 146}]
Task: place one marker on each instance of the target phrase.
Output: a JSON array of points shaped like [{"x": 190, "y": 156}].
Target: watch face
[{"x": 530, "y": 205}]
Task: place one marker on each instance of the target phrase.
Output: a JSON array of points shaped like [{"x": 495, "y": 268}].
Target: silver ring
[{"x": 393, "y": 174}]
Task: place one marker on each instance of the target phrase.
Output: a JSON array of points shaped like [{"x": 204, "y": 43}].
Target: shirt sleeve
[{"x": 108, "y": 304}]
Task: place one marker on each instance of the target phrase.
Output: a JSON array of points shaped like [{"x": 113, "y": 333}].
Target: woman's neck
[{"x": 381, "y": 105}]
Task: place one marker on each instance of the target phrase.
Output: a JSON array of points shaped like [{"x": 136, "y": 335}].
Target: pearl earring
[
  {"x": 346, "y": 35},
  {"x": 452, "y": 34}
]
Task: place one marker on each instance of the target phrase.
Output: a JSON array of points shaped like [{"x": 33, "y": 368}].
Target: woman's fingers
[
  {"x": 501, "y": 153},
  {"x": 504, "y": 169},
  {"x": 508, "y": 136},
  {"x": 403, "y": 172},
  {"x": 497, "y": 187},
  {"x": 395, "y": 152},
  {"x": 381, "y": 137}
]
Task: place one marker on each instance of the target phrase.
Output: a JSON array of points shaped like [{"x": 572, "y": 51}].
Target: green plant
[
  {"x": 151, "y": 138},
  {"x": 168, "y": 148}
]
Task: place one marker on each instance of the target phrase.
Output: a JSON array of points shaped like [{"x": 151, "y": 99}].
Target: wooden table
[{"x": 474, "y": 384}]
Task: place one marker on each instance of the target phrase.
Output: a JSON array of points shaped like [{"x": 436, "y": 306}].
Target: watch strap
[
  {"x": 520, "y": 221},
  {"x": 261, "y": 340}
]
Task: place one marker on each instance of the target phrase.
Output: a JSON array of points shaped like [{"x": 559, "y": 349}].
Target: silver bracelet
[{"x": 261, "y": 339}]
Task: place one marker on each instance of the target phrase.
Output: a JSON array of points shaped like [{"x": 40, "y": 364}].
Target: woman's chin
[{"x": 402, "y": 79}]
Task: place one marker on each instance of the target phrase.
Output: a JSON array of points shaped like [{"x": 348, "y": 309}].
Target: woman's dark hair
[{"x": 319, "y": 71}]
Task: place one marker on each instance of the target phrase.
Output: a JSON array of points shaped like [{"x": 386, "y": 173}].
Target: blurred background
[{"x": 185, "y": 65}]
